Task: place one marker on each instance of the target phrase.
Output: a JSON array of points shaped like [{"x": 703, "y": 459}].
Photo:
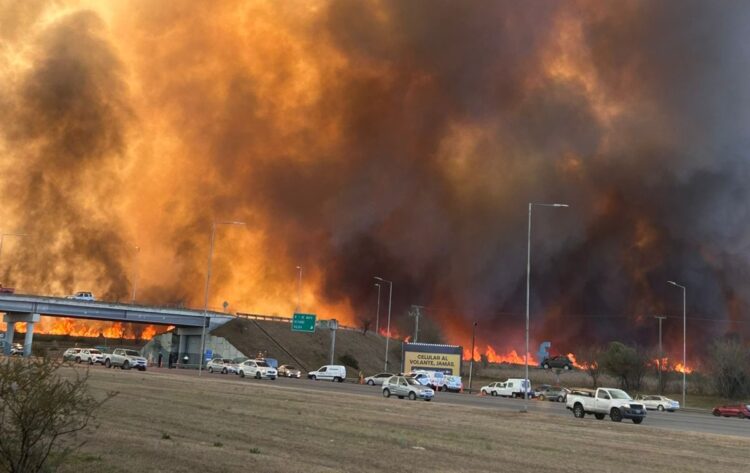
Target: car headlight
[{"x": 626, "y": 406}]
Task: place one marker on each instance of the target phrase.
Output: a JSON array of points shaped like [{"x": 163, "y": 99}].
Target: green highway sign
[{"x": 303, "y": 323}]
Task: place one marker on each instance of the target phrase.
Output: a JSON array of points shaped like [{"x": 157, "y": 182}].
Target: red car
[{"x": 740, "y": 410}]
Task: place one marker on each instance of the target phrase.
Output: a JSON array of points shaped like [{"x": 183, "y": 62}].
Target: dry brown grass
[{"x": 167, "y": 422}]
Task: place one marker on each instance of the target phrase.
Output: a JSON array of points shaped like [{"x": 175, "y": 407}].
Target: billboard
[{"x": 427, "y": 356}]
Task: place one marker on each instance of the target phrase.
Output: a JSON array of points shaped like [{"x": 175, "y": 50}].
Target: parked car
[
  {"x": 553, "y": 393},
  {"x": 289, "y": 371},
  {"x": 402, "y": 386},
  {"x": 329, "y": 372},
  {"x": 660, "y": 403},
  {"x": 125, "y": 359},
  {"x": 615, "y": 403},
  {"x": 82, "y": 296},
  {"x": 738, "y": 410},
  {"x": 512, "y": 387},
  {"x": 559, "y": 362},
  {"x": 90, "y": 356},
  {"x": 70, "y": 354},
  {"x": 16, "y": 349},
  {"x": 453, "y": 384},
  {"x": 378, "y": 379},
  {"x": 257, "y": 369},
  {"x": 221, "y": 365}
]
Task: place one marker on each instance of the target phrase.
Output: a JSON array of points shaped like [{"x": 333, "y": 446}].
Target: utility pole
[
  {"x": 416, "y": 313},
  {"x": 660, "y": 318},
  {"x": 471, "y": 363},
  {"x": 377, "y": 313}
]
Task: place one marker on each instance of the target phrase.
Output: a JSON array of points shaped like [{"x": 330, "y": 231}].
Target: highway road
[{"x": 686, "y": 421}]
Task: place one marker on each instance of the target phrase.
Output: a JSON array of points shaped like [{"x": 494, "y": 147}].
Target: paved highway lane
[{"x": 681, "y": 421}]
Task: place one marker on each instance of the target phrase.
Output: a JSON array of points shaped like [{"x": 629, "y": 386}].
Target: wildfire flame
[
  {"x": 512, "y": 356},
  {"x": 94, "y": 328}
]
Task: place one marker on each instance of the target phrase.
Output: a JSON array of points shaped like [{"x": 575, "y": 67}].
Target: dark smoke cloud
[{"x": 400, "y": 139}]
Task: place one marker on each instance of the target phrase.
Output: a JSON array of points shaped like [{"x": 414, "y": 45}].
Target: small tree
[
  {"x": 728, "y": 368},
  {"x": 40, "y": 413},
  {"x": 628, "y": 364},
  {"x": 591, "y": 359}
]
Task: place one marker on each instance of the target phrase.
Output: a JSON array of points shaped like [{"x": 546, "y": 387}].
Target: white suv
[
  {"x": 257, "y": 369},
  {"x": 82, "y": 296},
  {"x": 90, "y": 356}
]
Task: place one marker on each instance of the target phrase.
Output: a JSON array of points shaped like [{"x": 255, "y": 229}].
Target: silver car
[
  {"x": 221, "y": 365},
  {"x": 660, "y": 403},
  {"x": 402, "y": 387},
  {"x": 289, "y": 371},
  {"x": 378, "y": 379}
]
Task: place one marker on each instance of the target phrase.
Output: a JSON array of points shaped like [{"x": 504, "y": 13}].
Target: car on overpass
[
  {"x": 82, "y": 296},
  {"x": 6, "y": 290}
]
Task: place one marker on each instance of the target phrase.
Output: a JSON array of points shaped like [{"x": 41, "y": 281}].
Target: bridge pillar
[
  {"x": 9, "y": 331},
  {"x": 11, "y": 320}
]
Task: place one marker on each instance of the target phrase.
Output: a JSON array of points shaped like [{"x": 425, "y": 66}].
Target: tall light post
[
  {"x": 388, "y": 336},
  {"x": 471, "y": 363},
  {"x": 135, "y": 276},
  {"x": 299, "y": 289},
  {"x": 377, "y": 313},
  {"x": 660, "y": 318},
  {"x": 527, "y": 382},
  {"x": 208, "y": 281},
  {"x": 684, "y": 341},
  {"x": 2, "y": 239}
]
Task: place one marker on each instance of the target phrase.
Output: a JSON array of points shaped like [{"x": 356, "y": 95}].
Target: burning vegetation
[{"x": 392, "y": 138}]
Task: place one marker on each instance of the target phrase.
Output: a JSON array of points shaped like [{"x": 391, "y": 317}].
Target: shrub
[
  {"x": 349, "y": 360},
  {"x": 628, "y": 364},
  {"x": 41, "y": 413},
  {"x": 728, "y": 368}
]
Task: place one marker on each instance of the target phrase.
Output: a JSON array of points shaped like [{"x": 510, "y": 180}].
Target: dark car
[
  {"x": 559, "y": 362},
  {"x": 739, "y": 410},
  {"x": 553, "y": 393}
]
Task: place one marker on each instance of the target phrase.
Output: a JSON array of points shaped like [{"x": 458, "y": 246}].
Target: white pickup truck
[
  {"x": 125, "y": 359},
  {"x": 615, "y": 403}
]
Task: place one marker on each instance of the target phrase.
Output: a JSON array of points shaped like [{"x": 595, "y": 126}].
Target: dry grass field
[{"x": 167, "y": 422}]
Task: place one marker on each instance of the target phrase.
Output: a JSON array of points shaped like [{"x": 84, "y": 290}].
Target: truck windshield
[{"x": 618, "y": 394}]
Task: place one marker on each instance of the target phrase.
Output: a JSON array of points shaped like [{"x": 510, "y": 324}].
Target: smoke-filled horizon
[{"x": 385, "y": 138}]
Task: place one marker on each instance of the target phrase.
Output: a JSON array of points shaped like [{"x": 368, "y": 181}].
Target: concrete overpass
[{"x": 28, "y": 309}]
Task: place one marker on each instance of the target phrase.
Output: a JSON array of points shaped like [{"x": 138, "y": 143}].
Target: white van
[
  {"x": 332, "y": 372},
  {"x": 512, "y": 387}
]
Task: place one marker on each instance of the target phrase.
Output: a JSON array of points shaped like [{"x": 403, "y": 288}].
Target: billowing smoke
[{"x": 389, "y": 138}]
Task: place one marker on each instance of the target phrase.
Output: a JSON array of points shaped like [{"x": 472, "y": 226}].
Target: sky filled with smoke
[{"x": 391, "y": 138}]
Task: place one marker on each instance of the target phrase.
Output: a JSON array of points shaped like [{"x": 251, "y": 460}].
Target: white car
[
  {"x": 82, "y": 296},
  {"x": 512, "y": 387},
  {"x": 329, "y": 372},
  {"x": 221, "y": 365},
  {"x": 378, "y": 379},
  {"x": 257, "y": 369},
  {"x": 659, "y": 403},
  {"x": 90, "y": 356},
  {"x": 125, "y": 359}
]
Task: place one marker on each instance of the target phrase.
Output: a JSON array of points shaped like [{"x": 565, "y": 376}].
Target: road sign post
[{"x": 303, "y": 323}]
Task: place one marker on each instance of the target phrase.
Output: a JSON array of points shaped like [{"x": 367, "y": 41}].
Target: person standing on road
[{"x": 159, "y": 362}]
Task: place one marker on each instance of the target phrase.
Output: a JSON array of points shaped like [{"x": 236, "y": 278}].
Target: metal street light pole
[
  {"x": 388, "y": 336},
  {"x": 299, "y": 289},
  {"x": 135, "y": 276},
  {"x": 2, "y": 239},
  {"x": 684, "y": 341},
  {"x": 527, "y": 382},
  {"x": 660, "y": 318},
  {"x": 205, "y": 300},
  {"x": 377, "y": 313},
  {"x": 471, "y": 363}
]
